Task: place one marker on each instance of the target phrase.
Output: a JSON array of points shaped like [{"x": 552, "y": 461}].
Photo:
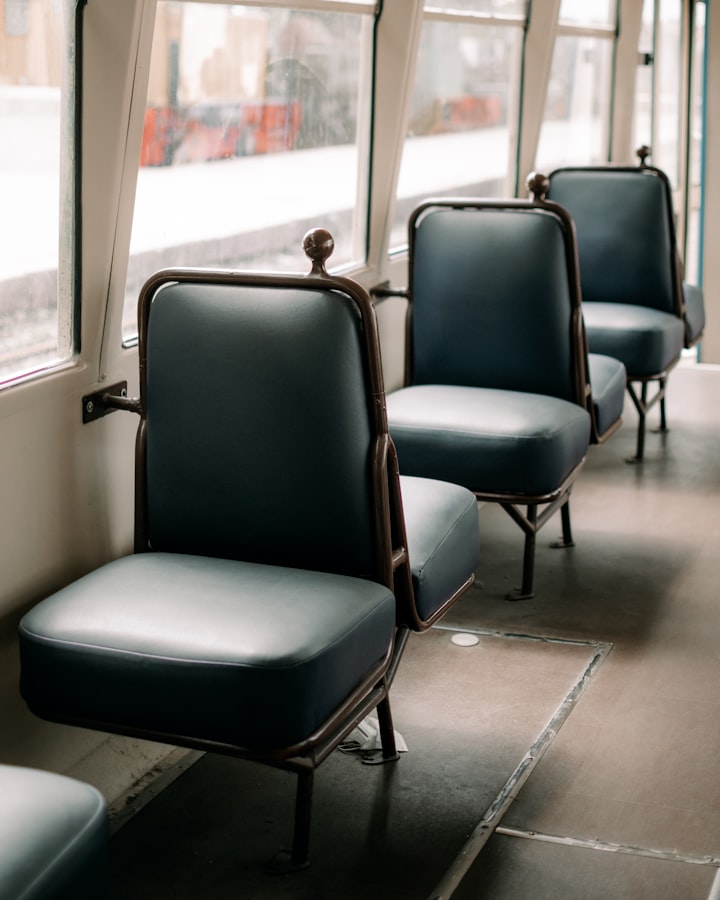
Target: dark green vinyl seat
[
  {"x": 281, "y": 561},
  {"x": 497, "y": 395},
  {"x": 53, "y": 837},
  {"x": 636, "y": 305}
]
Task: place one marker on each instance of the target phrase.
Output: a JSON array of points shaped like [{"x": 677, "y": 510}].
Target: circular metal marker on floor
[{"x": 465, "y": 640}]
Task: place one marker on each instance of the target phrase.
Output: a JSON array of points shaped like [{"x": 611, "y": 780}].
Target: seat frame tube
[{"x": 643, "y": 406}]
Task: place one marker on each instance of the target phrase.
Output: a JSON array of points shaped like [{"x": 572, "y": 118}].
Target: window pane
[
  {"x": 588, "y": 12},
  {"x": 643, "y": 125},
  {"x": 576, "y": 120},
  {"x": 464, "y": 97},
  {"x": 666, "y": 152},
  {"x": 489, "y": 7},
  {"x": 255, "y": 130},
  {"x": 643, "y": 106},
  {"x": 693, "y": 262},
  {"x": 32, "y": 44}
]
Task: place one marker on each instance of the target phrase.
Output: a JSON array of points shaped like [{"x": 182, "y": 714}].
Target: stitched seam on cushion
[{"x": 454, "y": 528}]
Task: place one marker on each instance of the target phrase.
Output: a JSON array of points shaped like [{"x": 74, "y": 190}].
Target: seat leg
[
  {"x": 303, "y": 815},
  {"x": 640, "y": 446},
  {"x": 663, "y": 418},
  {"x": 641, "y": 408},
  {"x": 387, "y": 732},
  {"x": 298, "y": 859},
  {"x": 567, "y": 539},
  {"x": 526, "y": 591},
  {"x": 387, "y": 737}
]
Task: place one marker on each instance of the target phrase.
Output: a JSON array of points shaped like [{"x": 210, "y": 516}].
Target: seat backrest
[
  {"x": 625, "y": 233},
  {"x": 260, "y": 437},
  {"x": 493, "y": 302}
]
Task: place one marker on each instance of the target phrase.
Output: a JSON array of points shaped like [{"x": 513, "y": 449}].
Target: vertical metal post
[
  {"x": 303, "y": 814},
  {"x": 526, "y": 592},
  {"x": 387, "y": 732}
]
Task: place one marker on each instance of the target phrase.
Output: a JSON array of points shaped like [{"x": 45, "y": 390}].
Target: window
[
  {"x": 659, "y": 112},
  {"x": 576, "y": 120},
  {"x": 36, "y": 185},
  {"x": 464, "y": 107},
  {"x": 486, "y": 7},
  {"x": 256, "y": 129},
  {"x": 658, "y": 106},
  {"x": 588, "y": 12},
  {"x": 643, "y": 125},
  {"x": 668, "y": 72},
  {"x": 693, "y": 250}
]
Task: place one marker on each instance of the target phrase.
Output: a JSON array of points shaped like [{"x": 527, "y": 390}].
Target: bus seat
[
  {"x": 496, "y": 394},
  {"x": 636, "y": 305},
  {"x": 53, "y": 837},
  {"x": 270, "y": 595},
  {"x": 607, "y": 377}
]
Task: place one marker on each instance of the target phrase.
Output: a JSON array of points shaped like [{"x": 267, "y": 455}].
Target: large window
[
  {"x": 488, "y": 7},
  {"x": 256, "y": 129},
  {"x": 668, "y": 72},
  {"x": 659, "y": 85},
  {"x": 588, "y": 12},
  {"x": 576, "y": 120},
  {"x": 659, "y": 119},
  {"x": 643, "y": 122},
  {"x": 462, "y": 134},
  {"x": 36, "y": 172},
  {"x": 693, "y": 245}
]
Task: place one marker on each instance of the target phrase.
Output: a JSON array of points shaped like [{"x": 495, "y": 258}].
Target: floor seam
[
  {"x": 491, "y": 819},
  {"x": 608, "y": 846},
  {"x": 522, "y": 636}
]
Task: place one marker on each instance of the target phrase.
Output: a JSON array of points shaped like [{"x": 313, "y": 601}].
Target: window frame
[{"x": 68, "y": 268}]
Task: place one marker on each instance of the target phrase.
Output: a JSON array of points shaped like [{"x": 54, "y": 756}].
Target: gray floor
[{"x": 571, "y": 752}]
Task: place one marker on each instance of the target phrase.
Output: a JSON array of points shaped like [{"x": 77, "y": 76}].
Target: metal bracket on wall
[{"x": 107, "y": 400}]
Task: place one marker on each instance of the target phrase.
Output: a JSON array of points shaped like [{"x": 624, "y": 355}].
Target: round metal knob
[
  {"x": 538, "y": 185},
  {"x": 642, "y": 154},
  {"x": 318, "y": 245}
]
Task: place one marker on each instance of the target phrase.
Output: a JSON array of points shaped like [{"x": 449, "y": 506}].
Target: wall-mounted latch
[{"x": 107, "y": 400}]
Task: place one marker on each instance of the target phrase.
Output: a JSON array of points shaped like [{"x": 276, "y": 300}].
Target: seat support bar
[
  {"x": 387, "y": 732},
  {"x": 298, "y": 858},
  {"x": 531, "y": 523},
  {"x": 303, "y": 815},
  {"x": 643, "y": 405}
]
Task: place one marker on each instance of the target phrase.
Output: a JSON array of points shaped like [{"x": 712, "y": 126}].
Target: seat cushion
[
  {"x": 647, "y": 341},
  {"x": 53, "y": 833},
  {"x": 252, "y": 655},
  {"x": 694, "y": 312},
  {"x": 443, "y": 534},
  {"x": 607, "y": 380},
  {"x": 490, "y": 441}
]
